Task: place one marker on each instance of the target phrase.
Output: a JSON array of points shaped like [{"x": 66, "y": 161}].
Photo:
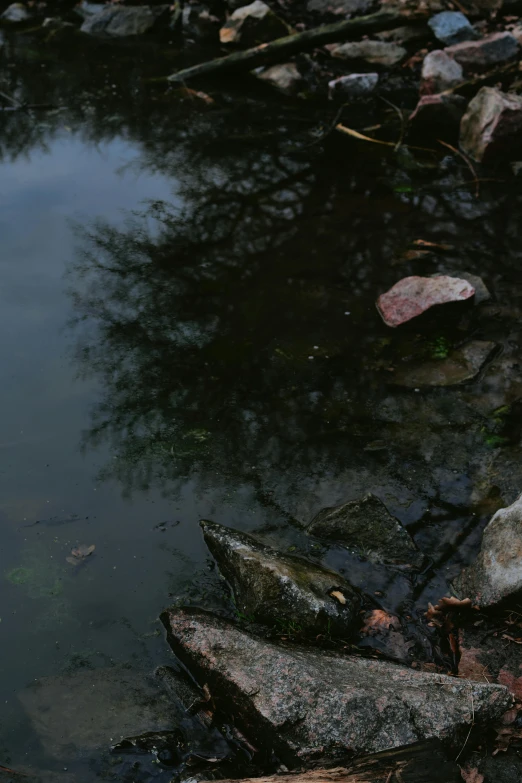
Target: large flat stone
[
  {"x": 281, "y": 589},
  {"x": 311, "y": 704},
  {"x": 367, "y": 525},
  {"x": 496, "y": 574},
  {"x": 412, "y": 296}
]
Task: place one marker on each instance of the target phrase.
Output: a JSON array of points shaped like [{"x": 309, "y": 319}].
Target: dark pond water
[{"x": 188, "y": 321}]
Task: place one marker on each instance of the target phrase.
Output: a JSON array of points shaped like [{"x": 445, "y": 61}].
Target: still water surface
[{"x": 188, "y": 331}]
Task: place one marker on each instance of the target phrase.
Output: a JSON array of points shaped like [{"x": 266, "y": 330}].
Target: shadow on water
[{"x": 227, "y": 334}]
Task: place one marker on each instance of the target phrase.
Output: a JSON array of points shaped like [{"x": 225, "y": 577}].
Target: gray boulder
[
  {"x": 125, "y": 21},
  {"x": 492, "y": 119},
  {"x": 491, "y": 50},
  {"x": 285, "y": 77},
  {"x": 367, "y": 525},
  {"x": 373, "y": 52},
  {"x": 439, "y": 73},
  {"x": 282, "y": 590},
  {"x": 461, "y": 365},
  {"x": 253, "y": 24},
  {"x": 452, "y": 27},
  {"x": 354, "y": 85},
  {"x": 496, "y": 574},
  {"x": 315, "y": 704},
  {"x": 15, "y": 13}
]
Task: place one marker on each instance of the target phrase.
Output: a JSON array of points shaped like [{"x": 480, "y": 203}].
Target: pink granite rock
[
  {"x": 315, "y": 704},
  {"x": 412, "y": 296}
]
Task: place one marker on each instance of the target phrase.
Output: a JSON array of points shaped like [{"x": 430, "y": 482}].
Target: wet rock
[
  {"x": 492, "y": 119},
  {"x": 285, "y": 77},
  {"x": 15, "y": 13},
  {"x": 340, "y": 7},
  {"x": 436, "y": 112},
  {"x": 412, "y": 296},
  {"x": 93, "y": 709},
  {"x": 439, "y": 72},
  {"x": 496, "y": 574},
  {"x": 253, "y": 24},
  {"x": 354, "y": 85},
  {"x": 309, "y": 703},
  {"x": 366, "y": 524},
  {"x": 122, "y": 22},
  {"x": 488, "y": 51},
  {"x": 452, "y": 27},
  {"x": 373, "y": 52},
  {"x": 462, "y": 364},
  {"x": 279, "y": 589}
]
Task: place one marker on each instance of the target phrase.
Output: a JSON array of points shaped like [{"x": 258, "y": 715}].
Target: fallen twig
[
  {"x": 356, "y": 135},
  {"x": 278, "y": 50}
]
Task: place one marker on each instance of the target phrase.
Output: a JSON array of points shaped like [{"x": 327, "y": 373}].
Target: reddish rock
[
  {"x": 491, "y": 50},
  {"x": 314, "y": 704},
  {"x": 493, "y": 118},
  {"x": 412, "y": 296}
]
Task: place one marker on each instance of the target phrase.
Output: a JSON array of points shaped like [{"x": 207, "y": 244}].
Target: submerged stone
[
  {"x": 122, "y": 22},
  {"x": 493, "y": 118},
  {"x": 253, "y": 24},
  {"x": 311, "y": 704},
  {"x": 496, "y": 574},
  {"x": 412, "y": 296},
  {"x": 93, "y": 709},
  {"x": 373, "y": 52},
  {"x": 461, "y": 365},
  {"x": 366, "y": 524},
  {"x": 281, "y": 589},
  {"x": 452, "y": 27}
]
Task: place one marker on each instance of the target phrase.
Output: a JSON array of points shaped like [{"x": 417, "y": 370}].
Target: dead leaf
[
  {"x": 426, "y": 243},
  {"x": 471, "y": 775},
  {"x": 338, "y": 596},
  {"x": 446, "y": 605},
  {"x": 379, "y": 620},
  {"x": 79, "y": 553}
]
